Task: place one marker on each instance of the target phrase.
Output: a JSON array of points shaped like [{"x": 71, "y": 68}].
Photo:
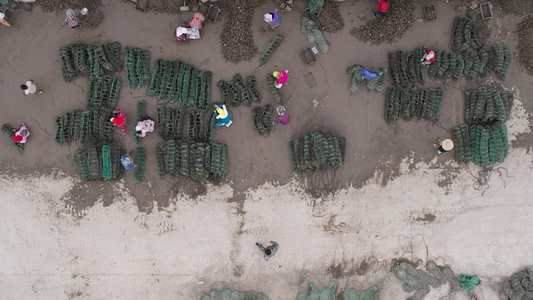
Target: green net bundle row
[
  {"x": 316, "y": 150},
  {"x": 271, "y": 48},
  {"x": 481, "y": 144},
  {"x": 405, "y": 68},
  {"x": 176, "y": 80},
  {"x": 419, "y": 282},
  {"x": 415, "y": 102},
  {"x": 103, "y": 92},
  {"x": 140, "y": 162},
  {"x": 139, "y": 115},
  {"x": 8, "y": 131},
  {"x": 310, "y": 26},
  {"x": 237, "y": 92},
  {"x": 197, "y": 160},
  {"x": 137, "y": 63},
  {"x": 518, "y": 287},
  {"x": 374, "y": 84},
  {"x": 312, "y": 291},
  {"x": 261, "y": 119},
  {"x": 227, "y": 294},
  {"x": 100, "y": 163},
  {"x": 471, "y": 64},
  {"x": 90, "y": 60},
  {"x": 274, "y": 90},
  {"x": 464, "y": 34},
  {"x": 89, "y": 127},
  {"x": 169, "y": 122},
  {"x": 486, "y": 105}
]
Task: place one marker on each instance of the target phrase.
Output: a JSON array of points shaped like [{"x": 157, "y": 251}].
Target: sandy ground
[{"x": 62, "y": 238}]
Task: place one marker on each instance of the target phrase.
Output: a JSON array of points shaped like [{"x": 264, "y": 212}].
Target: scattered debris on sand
[
  {"x": 514, "y": 7},
  {"x": 63, "y": 5},
  {"x": 524, "y": 30},
  {"x": 390, "y": 28},
  {"x": 330, "y": 17},
  {"x": 236, "y": 37}
]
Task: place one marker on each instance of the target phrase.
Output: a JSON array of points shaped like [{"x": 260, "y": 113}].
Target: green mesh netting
[
  {"x": 468, "y": 282},
  {"x": 141, "y": 108},
  {"x": 314, "y": 6},
  {"x": 415, "y": 102},
  {"x": 518, "y": 287},
  {"x": 8, "y": 131},
  {"x": 140, "y": 161},
  {"x": 313, "y": 291},
  {"x": 100, "y": 163},
  {"x": 316, "y": 150},
  {"x": 137, "y": 63},
  {"x": 94, "y": 60},
  {"x": 227, "y": 294},
  {"x": 271, "y": 48},
  {"x": 352, "y": 294}
]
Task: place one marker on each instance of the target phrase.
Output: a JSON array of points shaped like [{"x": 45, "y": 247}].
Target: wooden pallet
[
  {"x": 486, "y": 10},
  {"x": 93, "y": 18},
  {"x": 212, "y": 13}
]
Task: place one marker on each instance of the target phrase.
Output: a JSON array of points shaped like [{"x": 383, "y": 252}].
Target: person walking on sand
[
  {"x": 273, "y": 18},
  {"x": 284, "y": 117},
  {"x": 383, "y": 8},
  {"x": 269, "y": 251},
  {"x": 30, "y": 88},
  {"x": 281, "y": 78},
  {"x": 71, "y": 20}
]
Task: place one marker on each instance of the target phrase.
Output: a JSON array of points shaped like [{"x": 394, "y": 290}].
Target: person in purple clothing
[
  {"x": 272, "y": 18},
  {"x": 283, "y": 118}
]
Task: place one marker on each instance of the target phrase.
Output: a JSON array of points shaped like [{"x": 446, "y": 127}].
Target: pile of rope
[
  {"x": 519, "y": 287},
  {"x": 227, "y": 294},
  {"x": 418, "y": 281},
  {"x": 197, "y": 160},
  {"x": 261, "y": 119},
  {"x": 103, "y": 92},
  {"x": 405, "y": 68},
  {"x": 137, "y": 64},
  {"x": 316, "y": 150},
  {"x": 415, "y": 102},
  {"x": 176, "y": 80},
  {"x": 100, "y": 163},
  {"x": 374, "y": 84},
  {"x": 236, "y": 92},
  {"x": 8, "y": 131},
  {"x": 271, "y": 48},
  {"x": 90, "y": 60}
]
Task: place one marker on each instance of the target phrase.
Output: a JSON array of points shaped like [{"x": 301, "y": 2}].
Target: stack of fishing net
[
  {"x": 314, "y": 6},
  {"x": 405, "y": 68},
  {"x": 137, "y": 64},
  {"x": 276, "y": 93},
  {"x": 261, "y": 119},
  {"x": 197, "y": 160},
  {"x": 176, "y": 80},
  {"x": 352, "y": 294},
  {"x": 481, "y": 144},
  {"x": 488, "y": 105},
  {"x": 518, "y": 287},
  {"x": 90, "y": 60},
  {"x": 419, "y": 282},
  {"x": 271, "y": 48},
  {"x": 312, "y": 291},
  {"x": 8, "y": 131},
  {"x": 169, "y": 122},
  {"x": 89, "y": 127},
  {"x": 100, "y": 163},
  {"x": 316, "y": 150},
  {"x": 196, "y": 131},
  {"x": 236, "y": 92},
  {"x": 415, "y": 102},
  {"x": 374, "y": 84},
  {"x": 310, "y": 26},
  {"x": 140, "y": 162},
  {"x": 227, "y": 294},
  {"x": 103, "y": 92},
  {"x": 139, "y": 116}
]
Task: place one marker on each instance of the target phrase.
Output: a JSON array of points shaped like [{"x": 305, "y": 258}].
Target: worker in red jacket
[{"x": 383, "y": 8}]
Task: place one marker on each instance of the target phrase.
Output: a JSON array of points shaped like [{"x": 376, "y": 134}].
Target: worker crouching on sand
[
  {"x": 281, "y": 78},
  {"x": 268, "y": 251},
  {"x": 119, "y": 119},
  {"x": 21, "y": 134},
  {"x": 222, "y": 115},
  {"x": 273, "y": 18},
  {"x": 283, "y": 116},
  {"x": 370, "y": 74},
  {"x": 383, "y": 8},
  {"x": 71, "y": 20},
  {"x": 429, "y": 56},
  {"x": 144, "y": 126}
]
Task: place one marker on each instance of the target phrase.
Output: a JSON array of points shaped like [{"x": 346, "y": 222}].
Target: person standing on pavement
[
  {"x": 30, "y": 88},
  {"x": 269, "y": 251},
  {"x": 383, "y": 8}
]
